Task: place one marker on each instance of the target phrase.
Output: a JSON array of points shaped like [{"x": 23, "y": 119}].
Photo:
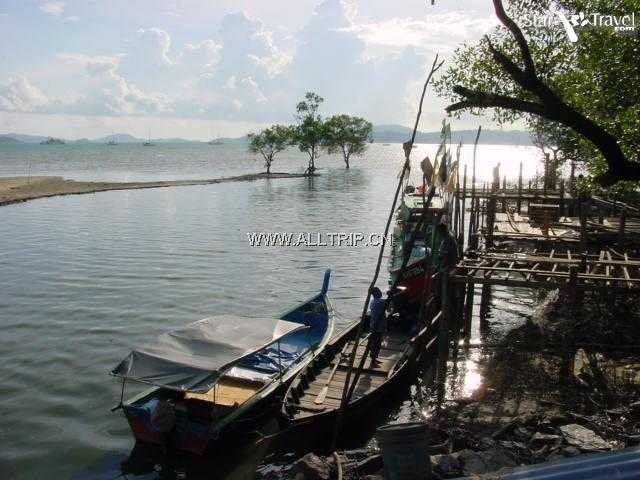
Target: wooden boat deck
[
  {"x": 228, "y": 392},
  {"x": 393, "y": 350}
]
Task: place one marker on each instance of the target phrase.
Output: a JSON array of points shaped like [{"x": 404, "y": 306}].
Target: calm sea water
[{"x": 84, "y": 278}]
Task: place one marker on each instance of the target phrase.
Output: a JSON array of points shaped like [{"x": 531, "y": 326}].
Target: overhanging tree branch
[{"x": 550, "y": 105}]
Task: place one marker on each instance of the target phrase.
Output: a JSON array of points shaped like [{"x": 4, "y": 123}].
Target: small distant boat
[
  {"x": 215, "y": 141},
  {"x": 148, "y": 143},
  {"x": 112, "y": 140},
  {"x": 216, "y": 376}
]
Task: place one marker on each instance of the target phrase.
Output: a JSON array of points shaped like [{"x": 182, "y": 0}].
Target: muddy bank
[{"x": 23, "y": 189}]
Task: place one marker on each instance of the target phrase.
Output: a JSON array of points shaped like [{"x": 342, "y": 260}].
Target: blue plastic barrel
[{"x": 404, "y": 449}]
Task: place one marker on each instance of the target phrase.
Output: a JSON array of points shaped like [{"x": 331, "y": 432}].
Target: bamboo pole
[{"x": 407, "y": 164}]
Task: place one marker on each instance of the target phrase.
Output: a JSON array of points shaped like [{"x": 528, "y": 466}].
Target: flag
[
  {"x": 427, "y": 168},
  {"x": 453, "y": 177}
]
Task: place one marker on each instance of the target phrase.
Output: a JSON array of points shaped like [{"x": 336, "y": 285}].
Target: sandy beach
[{"x": 23, "y": 189}]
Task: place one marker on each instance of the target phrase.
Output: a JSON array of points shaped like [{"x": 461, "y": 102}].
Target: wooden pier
[
  {"x": 539, "y": 238},
  {"x": 606, "y": 270}
]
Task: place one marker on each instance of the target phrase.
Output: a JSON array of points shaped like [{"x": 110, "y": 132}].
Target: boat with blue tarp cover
[{"x": 213, "y": 378}]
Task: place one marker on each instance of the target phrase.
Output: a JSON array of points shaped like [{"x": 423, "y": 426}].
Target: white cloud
[
  {"x": 21, "y": 95},
  {"x": 53, "y": 8},
  {"x": 442, "y": 29},
  {"x": 72, "y": 18},
  {"x": 247, "y": 72},
  {"x": 108, "y": 92}
]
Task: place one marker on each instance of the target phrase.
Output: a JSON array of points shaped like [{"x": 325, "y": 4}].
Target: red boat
[{"x": 415, "y": 279}]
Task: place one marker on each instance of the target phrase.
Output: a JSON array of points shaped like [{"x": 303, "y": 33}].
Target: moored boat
[
  {"x": 212, "y": 378},
  {"x": 314, "y": 397},
  {"x": 415, "y": 278}
]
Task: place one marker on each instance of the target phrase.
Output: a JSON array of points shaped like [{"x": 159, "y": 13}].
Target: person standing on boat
[{"x": 377, "y": 323}]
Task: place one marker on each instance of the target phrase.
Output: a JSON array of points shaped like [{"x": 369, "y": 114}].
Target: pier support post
[
  {"x": 468, "y": 312},
  {"x": 445, "y": 308},
  {"x": 583, "y": 226},
  {"x": 519, "y": 204},
  {"x": 562, "y": 213},
  {"x": 491, "y": 219},
  {"x": 622, "y": 225},
  {"x": 462, "y": 211}
]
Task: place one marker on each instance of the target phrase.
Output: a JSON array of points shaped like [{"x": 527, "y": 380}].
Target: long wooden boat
[
  {"x": 308, "y": 409},
  {"x": 212, "y": 378}
]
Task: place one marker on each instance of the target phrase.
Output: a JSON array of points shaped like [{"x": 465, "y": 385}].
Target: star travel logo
[{"x": 572, "y": 23}]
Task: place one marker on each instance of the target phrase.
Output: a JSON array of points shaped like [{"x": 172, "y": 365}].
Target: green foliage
[
  {"x": 310, "y": 132},
  {"x": 271, "y": 141},
  {"x": 347, "y": 135},
  {"x": 599, "y": 76}
]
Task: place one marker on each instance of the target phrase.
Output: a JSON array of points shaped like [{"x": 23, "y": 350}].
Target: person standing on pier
[
  {"x": 377, "y": 323},
  {"x": 496, "y": 178}
]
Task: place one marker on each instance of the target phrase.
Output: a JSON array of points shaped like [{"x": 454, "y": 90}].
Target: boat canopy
[{"x": 193, "y": 357}]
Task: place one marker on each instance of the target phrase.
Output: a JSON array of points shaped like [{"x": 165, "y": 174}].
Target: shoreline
[{"x": 21, "y": 189}]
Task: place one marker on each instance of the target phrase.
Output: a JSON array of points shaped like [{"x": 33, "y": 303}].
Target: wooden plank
[{"x": 227, "y": 392}]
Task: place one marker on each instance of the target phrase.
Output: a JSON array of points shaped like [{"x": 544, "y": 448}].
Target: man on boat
[{"x": 377, "y": 323}]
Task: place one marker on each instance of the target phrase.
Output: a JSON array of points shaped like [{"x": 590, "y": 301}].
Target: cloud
[
  {"x": 108, "y": 92},
  {"x": 53, "y": 8},
  {"x": 21, "y": 95},
  {"x": 245, "y": 71},
  {"x": 72, "y": 18},
  {"x": 446, "y": 29}
]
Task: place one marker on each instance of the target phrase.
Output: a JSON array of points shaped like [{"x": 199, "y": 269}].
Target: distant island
[
  {"x": 53, "y": 141},
  {"x": 381, "y": 134}
]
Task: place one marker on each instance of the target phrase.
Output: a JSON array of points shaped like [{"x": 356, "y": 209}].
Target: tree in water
[
  {"x": 347, "y": 135},
  {"x": 271, "y": 141},
  {"x": 310, "y": 132}
]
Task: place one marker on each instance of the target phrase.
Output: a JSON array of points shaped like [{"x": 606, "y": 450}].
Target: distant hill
[
  {"x": 8, "y": 140},
  {"x": 24, "y": 138},
  {"x": 381, "y": 134},
  {"x": 398, "y": 133}
]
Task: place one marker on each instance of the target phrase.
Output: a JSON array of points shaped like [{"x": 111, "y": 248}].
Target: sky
[{"x": 199, "y": 69}]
